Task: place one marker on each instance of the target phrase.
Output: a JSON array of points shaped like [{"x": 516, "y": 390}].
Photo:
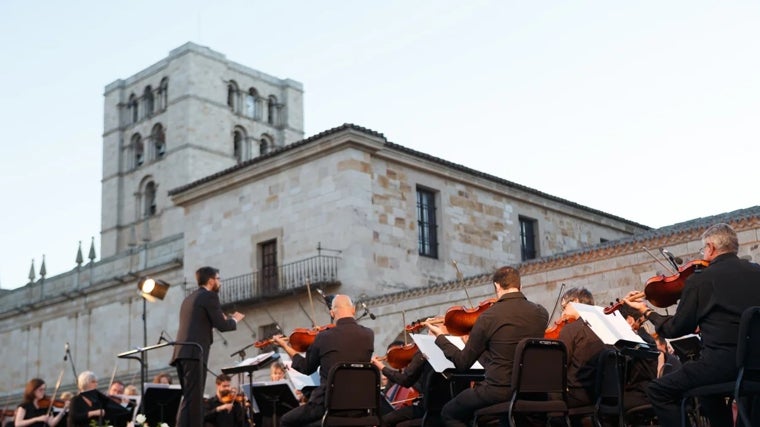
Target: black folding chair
[
  {"x": 747, "y": 383},
  {"x": 539, "y": 383},
  {"x": 353, "y": 395}
]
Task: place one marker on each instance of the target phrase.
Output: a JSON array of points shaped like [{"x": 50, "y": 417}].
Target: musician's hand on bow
[
  {"x": 635, "y": 300},
  {"x": 434, "y": 329},
  {"x": 378, "y": 363},
  {"x": 280, "y": 340}
]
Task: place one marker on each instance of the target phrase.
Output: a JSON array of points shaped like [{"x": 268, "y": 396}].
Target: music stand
[
  {"x": 249, "y": 366},
  {"x": 273, "y": 398},
  {"x": 160, "y": 403}
]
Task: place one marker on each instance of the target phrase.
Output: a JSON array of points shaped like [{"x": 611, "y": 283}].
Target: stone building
[{"x": 204, "y": 163}]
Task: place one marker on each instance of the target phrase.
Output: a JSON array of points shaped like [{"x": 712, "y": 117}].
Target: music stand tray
[
  {"x": 273, "y": 398},
  {"x": 160, "y": 403}
]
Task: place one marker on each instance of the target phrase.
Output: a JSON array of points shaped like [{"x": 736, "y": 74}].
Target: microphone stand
[
  {"x": 241, "y": 352},
  {"x": 71, "y": 359}
]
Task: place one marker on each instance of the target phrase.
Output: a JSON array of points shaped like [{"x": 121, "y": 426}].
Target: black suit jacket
[
  {"x": 495, "y": 335},
  {"x": 348, "y": 341},
  {"x": 199, "y": 314},
  {"x": 714, "y": 300}
]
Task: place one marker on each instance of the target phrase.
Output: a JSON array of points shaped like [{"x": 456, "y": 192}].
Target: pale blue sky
[{"x": 647, "y": 110}]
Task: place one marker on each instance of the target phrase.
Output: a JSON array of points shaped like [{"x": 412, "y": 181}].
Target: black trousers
[
  {"x": 192, "y": 378},
  {"x": 459, "y": 410},
  {"x": 303, "y": 415},
  {"x": 665, "y": 393}
]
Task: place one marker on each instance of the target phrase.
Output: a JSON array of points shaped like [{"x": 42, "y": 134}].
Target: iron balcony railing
[{"x": 282, "y": 280}]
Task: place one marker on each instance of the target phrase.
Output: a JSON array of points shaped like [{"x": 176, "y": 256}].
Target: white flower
[
  {"x": 140, "y": 418},
  {"x": 163, "y": 425}
]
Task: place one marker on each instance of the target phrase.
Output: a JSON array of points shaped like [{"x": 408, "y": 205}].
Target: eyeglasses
[{"x": 702, "y": 249}]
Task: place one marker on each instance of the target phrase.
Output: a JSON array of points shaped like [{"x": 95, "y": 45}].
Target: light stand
[{"x": 153, "y": 290}]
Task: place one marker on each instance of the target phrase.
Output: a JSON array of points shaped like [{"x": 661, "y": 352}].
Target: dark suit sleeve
[
  {"x": 216, "y": 315},
  {"x": 684, "y": 321},
  {"x": 410, "y": 375},
  {"x": 475, "y": 346},
  {"x": 310, "y": 363}
]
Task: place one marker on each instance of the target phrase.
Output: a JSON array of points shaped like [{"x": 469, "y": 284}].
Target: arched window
[
  {"x": 272, "y": 110},
  {"x": 238, "y": 144},
  {"x": 251, "y": 98},
  {"x": 149, "y": 199},
  {"x": 163, "y": 94},
  {"x": 132, "y": 106},
  {"x": 148, "y": 99},
  {"x": 158, "y": 136},
  {"x": 138, "y": 149},
  {"x": 265, "y": 144},
  {"x": 232, "y": 94}
]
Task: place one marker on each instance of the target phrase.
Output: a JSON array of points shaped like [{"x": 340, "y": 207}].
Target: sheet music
[
  {"x": 435, "y": 356},
  {"x": 260, "y": 358},
  {"x": 300, "y": 380},
  {"x": 610, "y": 328}
]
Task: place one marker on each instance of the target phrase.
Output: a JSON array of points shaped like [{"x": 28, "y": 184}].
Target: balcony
[{"x": 287, "y": 279}]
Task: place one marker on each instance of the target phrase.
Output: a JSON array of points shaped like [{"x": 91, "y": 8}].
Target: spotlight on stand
[{"x": 152, "y": 289}]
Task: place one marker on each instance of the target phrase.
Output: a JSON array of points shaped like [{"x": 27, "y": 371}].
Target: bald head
[{"x": 342, "y": 306}]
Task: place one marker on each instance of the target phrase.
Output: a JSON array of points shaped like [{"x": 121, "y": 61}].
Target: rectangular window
[
  {"x": 269, "y": 280},
  {"x": 527, "y": 238},
  {"x": 427, "y": 229}
]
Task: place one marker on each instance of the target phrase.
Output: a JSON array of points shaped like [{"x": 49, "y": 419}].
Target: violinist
[
  {"x": 583, "y": 348},
  {"x": 713, "y": 301},
  {"x": 492, "y": 340},
  {"x": 34, "y": 411},
  {"x": 346, "y": 342},
  {"x": 640, "y": 371},
  {"x": 414, "y": 375},
  {"x": 92, "y": 405},
  {"x": 224, "y": 409}
]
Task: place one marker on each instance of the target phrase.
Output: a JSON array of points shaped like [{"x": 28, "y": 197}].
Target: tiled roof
[
  {"x": 402, "y": 149},
  {"x": 742, "y": 219}
]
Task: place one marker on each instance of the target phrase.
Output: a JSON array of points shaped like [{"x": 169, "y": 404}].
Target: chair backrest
[
  {"x": 353, "y": 386},
  {"x": 540, "y": 367},
  {"x": 608, "y": 390},
  {"x": 748, "y": 346}
]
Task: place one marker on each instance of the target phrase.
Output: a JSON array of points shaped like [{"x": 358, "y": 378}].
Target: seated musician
[
  {"x": 32, "y": 412},
  {"x": 91, "y": 404},
  {"x": 347, "y": 341},
  {"x": 224, "y": 410},
  {"x": 668, "y": 361},
  {"x": 583, "y": 348},
  {"x": 414, "y": 374},
  {"x": 712, "y": 300},
  {"x": 163, "y": 378},
  {"x": 640, "y": 371},
  {"x": 492, "y": 340}
]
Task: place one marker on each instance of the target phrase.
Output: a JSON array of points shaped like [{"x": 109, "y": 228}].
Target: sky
[{"x": 647, "y": 110}]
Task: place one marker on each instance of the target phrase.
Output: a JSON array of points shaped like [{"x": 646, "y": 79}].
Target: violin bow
[
  {"x": 403, "y": 319},
  {"x": 556, "y": 303},
  {"x": 55, "y": 391},
  {"x": 460, "y": 279},
  {"x": 667, "y": 267},
  {"x": 113, "y": 374},
  {"x": 311, "y": 302}
]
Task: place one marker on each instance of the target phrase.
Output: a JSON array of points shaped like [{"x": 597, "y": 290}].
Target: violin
[
  {"x": 419, "y": 324},
  {"x": 45, "y": 403},
  {"x": 399, "y": 356},
  {"x": 301, "y": 338},
  {"x": 7, "y": 413},
  {"x": 230, "y": 397},
  {"x": 663, "y": 291},
  {"x": 460, "y": 320},
  {"x": 552, "y": 332}
]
